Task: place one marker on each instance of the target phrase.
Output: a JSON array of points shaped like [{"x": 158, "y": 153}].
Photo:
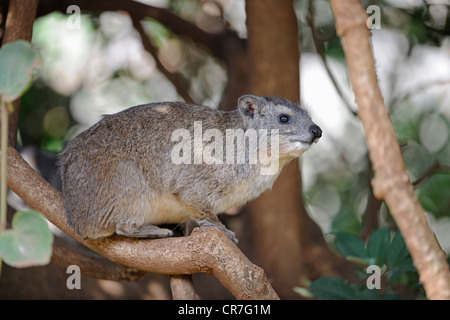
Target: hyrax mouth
[
  {"x": 315, "y": 133},
  {"x": 308, "y": 142}
]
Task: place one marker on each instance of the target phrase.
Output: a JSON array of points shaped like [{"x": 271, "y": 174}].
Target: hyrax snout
[{"x": 172, "y": 162}]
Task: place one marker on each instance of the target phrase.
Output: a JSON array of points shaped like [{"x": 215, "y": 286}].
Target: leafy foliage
[
  {"x": 388, "y": 253},
  {"x": 331, "y": 288}
]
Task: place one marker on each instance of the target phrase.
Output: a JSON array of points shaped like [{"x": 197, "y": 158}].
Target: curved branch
[
  {"x": 176, "y": 24},
  {"x": 207, "y": 249},
  {"x": 391, "y": 182}
]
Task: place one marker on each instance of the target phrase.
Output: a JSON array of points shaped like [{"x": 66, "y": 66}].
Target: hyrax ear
[{"x": 251, "y": 105}]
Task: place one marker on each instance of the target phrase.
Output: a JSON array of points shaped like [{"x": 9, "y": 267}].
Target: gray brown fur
[{"x": 118, "y": 175}]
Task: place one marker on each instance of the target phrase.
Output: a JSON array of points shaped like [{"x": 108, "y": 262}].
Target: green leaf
[
  {"x": 17, "y": 61},
  {"x": 330, "y": 288},
  {"x": 28, "y": 243},
  {"x": 350, "y": 245},
  {"x": 406, "y": 265},
  {"x": 397, "y": 251},
  {"x": 433, "y": 193},
  {"x": 378, "y": 245}
]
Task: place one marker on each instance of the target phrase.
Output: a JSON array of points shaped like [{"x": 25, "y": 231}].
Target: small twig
[
  {"x": 150, "y": 48},
  {"x": 370, "y": 215},
  {"x": 372, "y": 211},
  {"x": 182, "y": 287},
  {"x": 321, "y": 52},
  {"x": 421, "y": 88},
  {"x": 436, "y": 166}
]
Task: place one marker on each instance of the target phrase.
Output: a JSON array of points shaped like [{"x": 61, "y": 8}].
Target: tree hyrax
[{"x": 172, "y": 162}]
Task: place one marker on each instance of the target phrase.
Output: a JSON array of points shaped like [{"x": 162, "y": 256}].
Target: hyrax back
[{"x": 173, "y": 162}]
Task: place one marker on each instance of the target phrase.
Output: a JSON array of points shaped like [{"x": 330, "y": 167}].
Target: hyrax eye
[{"x": 283, "y": 118}]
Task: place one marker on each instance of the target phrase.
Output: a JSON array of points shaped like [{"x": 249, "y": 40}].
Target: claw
[{"x": 229, "y": 233}]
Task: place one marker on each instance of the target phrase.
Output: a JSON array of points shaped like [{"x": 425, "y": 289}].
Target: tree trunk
[
  {"x": 288, "y": 244},
  {"x": 274, "y": 71}
]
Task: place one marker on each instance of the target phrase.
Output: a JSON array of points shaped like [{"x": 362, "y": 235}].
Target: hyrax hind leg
[
  {"x": 131, "y": 193},
  {"x": 203, "y": 215},
  {"x": 206, "y": 222},
  {"x": 143, "y": 231}
]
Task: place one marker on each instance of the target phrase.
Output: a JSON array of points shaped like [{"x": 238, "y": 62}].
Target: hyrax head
[{"x": 297, "y": 132}]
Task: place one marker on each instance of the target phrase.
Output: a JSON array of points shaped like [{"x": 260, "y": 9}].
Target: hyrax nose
[{"x": 315, "y": 131}]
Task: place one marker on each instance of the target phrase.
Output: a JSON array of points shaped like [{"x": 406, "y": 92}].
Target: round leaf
[
  {"x": 17, "y": 61},
  {"x": 28, "y": 243}
]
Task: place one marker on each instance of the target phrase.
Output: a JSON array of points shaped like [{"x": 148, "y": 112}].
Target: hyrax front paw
[{"x": 229, "y": 233}]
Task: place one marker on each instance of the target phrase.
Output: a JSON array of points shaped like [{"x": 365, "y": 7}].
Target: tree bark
[
  {"x": 391, "y": 182},
  {"x": 274, "y": 71},
  {"x": 182, "y": 287}
]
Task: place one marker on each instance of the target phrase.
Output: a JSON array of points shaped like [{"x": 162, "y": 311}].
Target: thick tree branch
[
  {"x": 176, "y": 24},
  {"x": 205, "y": 250},
  {"x": 391, "y": 182}
]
